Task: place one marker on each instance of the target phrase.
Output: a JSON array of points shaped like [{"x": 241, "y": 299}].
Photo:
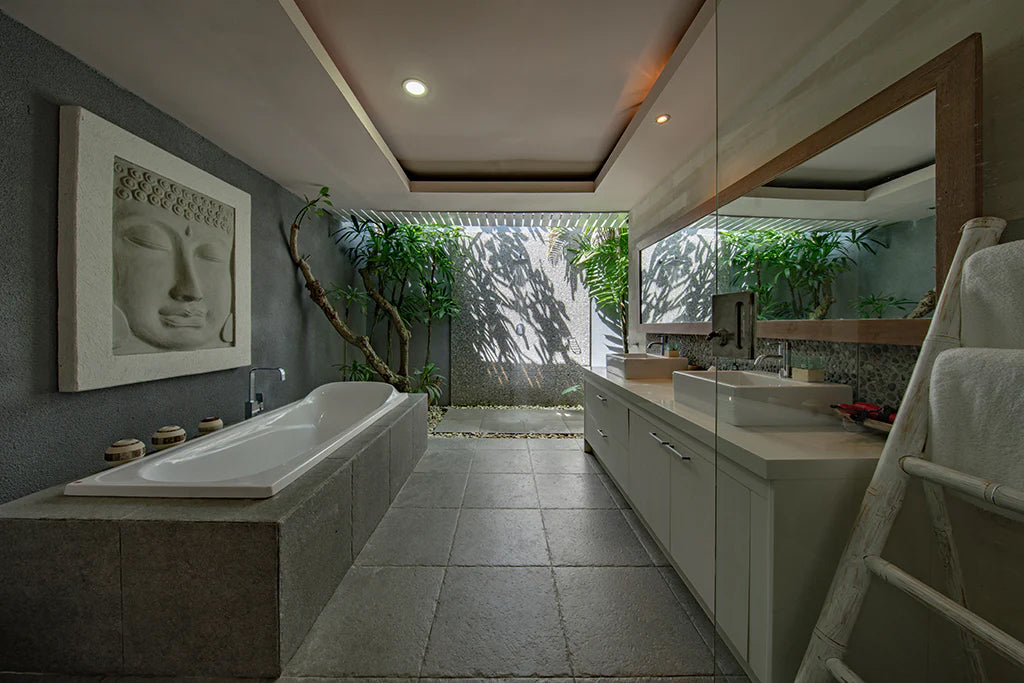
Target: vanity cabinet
[
  {"x": 605, "y": 429},
  {"x": 650, "y": 460},
  {"x": 756, "y": 548},
  {"x": 692, "y": 529}
]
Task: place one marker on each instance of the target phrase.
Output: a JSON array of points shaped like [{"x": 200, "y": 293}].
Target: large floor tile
[
  {"x": 572, "y": 491},
  {"x": 432, "y": 490},
  {"x": 555, "y": 445},
  {"x": 562, "y": 462},
  {"x": 500, "y": 537},
  {"x": 376, "y": 624},
  {"x": 613, "y": 490},
  {"x": 500, "y": 491},
  {"x": 653, "y": 549},
  {"x": 500, "y": 621},
  {"x": 503, "y": 462},
  {"x": 593, "y": 538},
  {"x": 452, "y": 461},
  {"x": 411, "y": 536},
  {"x": 624, "y": 621}
]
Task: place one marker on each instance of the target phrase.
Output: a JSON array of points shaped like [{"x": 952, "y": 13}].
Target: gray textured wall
[
  {"x": 507, "y": 279},
  {"x": 49, "y": 437}
]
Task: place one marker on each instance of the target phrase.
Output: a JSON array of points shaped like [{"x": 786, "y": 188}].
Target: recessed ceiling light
[
  {"x": 662, "y": 118},
  {"x": 415, "y": 87}
]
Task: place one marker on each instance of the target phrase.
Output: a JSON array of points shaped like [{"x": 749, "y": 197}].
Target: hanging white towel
[
  {"x": 992, "y": 298},
  {"x": 977, "y": 413}
]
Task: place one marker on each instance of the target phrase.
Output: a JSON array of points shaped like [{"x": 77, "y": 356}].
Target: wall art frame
[{"x": 153, "y": 261}]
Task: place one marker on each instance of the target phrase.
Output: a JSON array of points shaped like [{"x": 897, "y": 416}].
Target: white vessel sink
[
  {"x": 644, "y": 365},
  {"x": 749, "y": 399}
]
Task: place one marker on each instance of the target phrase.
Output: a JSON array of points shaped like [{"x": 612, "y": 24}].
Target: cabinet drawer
[
  {"x": 609, "y": 452},
  {"x": 692, "y": 523},
  {"x": 649, "y": 466},
  {"x": 607, "y": 413}
]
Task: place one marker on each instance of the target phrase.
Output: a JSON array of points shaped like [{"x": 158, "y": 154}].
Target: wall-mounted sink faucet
[
  {"x": 661, "y": 343},
  {"x": 783, "y": 356},
  {"x": 254, "y": 406}
]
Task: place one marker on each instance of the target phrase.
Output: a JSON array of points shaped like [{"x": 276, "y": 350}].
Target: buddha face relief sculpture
[{"x": 173, "y": 266}]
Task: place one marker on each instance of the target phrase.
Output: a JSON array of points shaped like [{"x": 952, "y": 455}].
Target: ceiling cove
[{"x": 516, "y": 100}]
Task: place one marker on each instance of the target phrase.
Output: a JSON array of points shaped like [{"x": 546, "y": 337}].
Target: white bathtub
[{"x": 255, "y": 458}]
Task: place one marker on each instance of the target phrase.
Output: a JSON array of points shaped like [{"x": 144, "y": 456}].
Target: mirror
[{"x": 850, "y": 229}]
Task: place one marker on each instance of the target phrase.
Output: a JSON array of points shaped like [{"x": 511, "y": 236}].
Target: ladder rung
[
  {"x": 841, "y": 672},
  {"x": 999, "y": 640},
  {"x": 1000, "y": 495}
]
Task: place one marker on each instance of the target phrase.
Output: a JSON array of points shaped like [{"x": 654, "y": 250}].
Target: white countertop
[{"x": 768, "y": 452}]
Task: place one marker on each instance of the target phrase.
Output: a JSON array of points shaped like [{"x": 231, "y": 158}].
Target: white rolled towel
[
  {"x": 992, "y": 297},
  {"x": 977, "y": 413}
]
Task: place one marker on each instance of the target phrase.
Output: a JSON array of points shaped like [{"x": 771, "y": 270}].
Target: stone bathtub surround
[
  {"x": 200, "y": 587},
  {"x": 878, "y": 373}
]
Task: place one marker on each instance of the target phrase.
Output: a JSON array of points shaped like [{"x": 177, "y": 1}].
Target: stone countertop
[{"x": 767, "y": 452}]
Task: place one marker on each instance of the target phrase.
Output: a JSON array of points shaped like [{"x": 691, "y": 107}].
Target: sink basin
[
  {"x": 644, "y": 365},
  {"x": 752, "y": 399}
]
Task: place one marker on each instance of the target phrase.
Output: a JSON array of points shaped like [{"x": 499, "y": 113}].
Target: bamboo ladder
[{"x": 901, "y": 459}]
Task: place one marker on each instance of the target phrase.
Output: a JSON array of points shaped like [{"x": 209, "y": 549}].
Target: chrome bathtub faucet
[{"x": 254, "y": 406}]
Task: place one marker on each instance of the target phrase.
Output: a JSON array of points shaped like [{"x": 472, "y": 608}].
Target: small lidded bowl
[
  {"x": 209, "y": 425},
  {"x": 167, "y": 436},
  {"x": 124, "y": 450}
]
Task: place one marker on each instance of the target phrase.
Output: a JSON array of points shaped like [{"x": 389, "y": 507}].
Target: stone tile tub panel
[
  {"x": 371, "y": 489},
  {"x": 408, "y": 441},
  {"x": 200, "y": 598},
  {"x": 193, "y": 587},
  {"x": 315, "y": 552},
  {"x": 60, "y": 596}
]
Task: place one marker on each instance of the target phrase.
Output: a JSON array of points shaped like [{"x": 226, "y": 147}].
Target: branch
[
  {"x": 404, "y": 334},
  {"x": 362, "y": 342}
]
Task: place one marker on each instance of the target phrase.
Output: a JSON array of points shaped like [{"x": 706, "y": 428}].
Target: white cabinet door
[
  {"x": 649, "y": 463},
  {"x": 732, "y": 587},
  {"x": 692, "y": 522}
]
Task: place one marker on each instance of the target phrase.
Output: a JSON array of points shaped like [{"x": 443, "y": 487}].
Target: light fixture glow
[
  {"x": 415, "y": 87},
  {"x": 662, "y": 118}
]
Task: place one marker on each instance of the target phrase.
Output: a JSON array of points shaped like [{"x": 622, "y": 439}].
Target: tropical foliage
[
  {"x": 406, "y": 275},
  {"x": 791, "y": 271},
  {"x": 601, "y": 257},
  {"x": 877, "y": 305}
]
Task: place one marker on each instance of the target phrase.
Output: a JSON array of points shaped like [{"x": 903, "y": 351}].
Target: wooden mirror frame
[{"x": 955, "y": 76}]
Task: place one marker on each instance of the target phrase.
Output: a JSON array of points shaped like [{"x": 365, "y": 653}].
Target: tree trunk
[
  {"x": 319, "y": 296},
  {"x": 404, "y": 335}
]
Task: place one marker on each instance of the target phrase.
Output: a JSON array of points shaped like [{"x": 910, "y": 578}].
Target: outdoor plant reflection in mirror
[{"x": 173, "y": 275}]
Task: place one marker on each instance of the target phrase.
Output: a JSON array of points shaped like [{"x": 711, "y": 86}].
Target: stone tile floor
[
  {"x": 506, "y": 558},
  {"x": 511, "y": 558},
  {"x": 511, "y": 421}
]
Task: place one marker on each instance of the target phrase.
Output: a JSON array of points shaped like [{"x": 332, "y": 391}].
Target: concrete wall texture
[
  {"x": 50, "y": 437},
  {"x": 524, "y": 331}
]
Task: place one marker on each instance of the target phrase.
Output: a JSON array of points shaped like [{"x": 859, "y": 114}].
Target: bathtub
[{"x": 255, "y": 458}]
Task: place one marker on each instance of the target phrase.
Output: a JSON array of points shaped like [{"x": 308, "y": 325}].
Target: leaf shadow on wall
[
  {"x": 515, "y": 321},
  {"x": 678, "y": 278}
]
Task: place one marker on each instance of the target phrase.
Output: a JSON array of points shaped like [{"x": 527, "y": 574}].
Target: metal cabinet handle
[
  {"x": 668, "y": 446},
  {"x": 603, "y": 435},
  {"x": 600, "y": 398}
]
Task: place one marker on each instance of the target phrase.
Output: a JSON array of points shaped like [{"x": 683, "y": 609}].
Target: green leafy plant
[
  {"x": 601, "y": 256},
  {"x": 792, "y": 271},
  {"x": 877, "y": 305},
  {"x": 355, "y": 371},
  {"x": 406, "y": 274},
  {"x": 430, "y": 382}
]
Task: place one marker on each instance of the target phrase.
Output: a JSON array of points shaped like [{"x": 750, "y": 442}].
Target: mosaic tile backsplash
[{"x": 878, "y": 373}]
